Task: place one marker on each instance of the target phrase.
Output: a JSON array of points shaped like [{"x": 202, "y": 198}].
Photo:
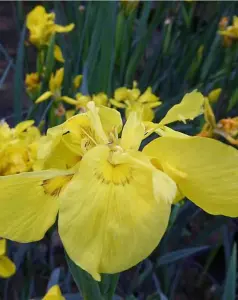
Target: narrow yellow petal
[
  {"x": 214, "y": 95},
  {"x": 190, "y": 107},
  {"x": 96, "y": 122},
  {"x": 27, "y": 210},
  {"x": 44, "y": 97},
  {"x": 59, "y": 76},
  {"x": 205, "y": 170},
  {"x": 69, "y": 100},
  {"x": 58, "y": 54},
  {"x": 62, "y": 29},
  {"x": 166, "y": 131},
  {"x": 7, "y": 267},
  {"x": 111, "y": 217},
  {"x": 117, "y": 104},
  {"x": 133, "y": 132},
  {"x": 22, "y": 126},
  {"x": 54, "y": 293},
  {"x": 77, "y": 81}
]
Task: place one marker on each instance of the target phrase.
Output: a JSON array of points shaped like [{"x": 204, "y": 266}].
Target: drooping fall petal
[
  {"x": 111, "y": 216},
  {"x": 30, "y": 206},
  {"x": 205, "y": 170}
]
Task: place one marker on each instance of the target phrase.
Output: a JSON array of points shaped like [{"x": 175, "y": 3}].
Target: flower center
[{"x": 116, "y": 174}]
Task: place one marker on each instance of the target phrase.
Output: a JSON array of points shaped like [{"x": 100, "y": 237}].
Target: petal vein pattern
[{"x": 113, "y": 212}]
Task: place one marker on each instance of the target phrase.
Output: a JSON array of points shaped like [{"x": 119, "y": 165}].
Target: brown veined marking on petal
[
  {"x": 108, "y": 173},
  {"x": 56, "y": 185}
]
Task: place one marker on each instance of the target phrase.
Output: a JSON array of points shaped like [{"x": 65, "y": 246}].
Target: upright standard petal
[
  {"x": 111, "y": 216},
  {"x": 133, "y": 132},
  {"x": 190, "y": 107},
  {"x": 205, "y": 170},
  {"x": 29, "y": 204}
]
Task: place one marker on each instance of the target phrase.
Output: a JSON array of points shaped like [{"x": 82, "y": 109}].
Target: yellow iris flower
[
  {"x": 42, "y": 26},
  {"x": 7, "y": 267},
  {"x": 113, "y": 200},
  {"x": 55, "y": 86},
  {"x": 18, "y": 147},
  {"x": 229, "y": 33},
  {"x": 133, "y": 100},
  {"x": 54, "y": 293},
  {"x": 82, "y": 101},
  {"x": 32, "y": 83}
]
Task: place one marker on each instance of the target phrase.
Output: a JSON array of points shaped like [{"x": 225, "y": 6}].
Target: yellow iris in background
[
  {"x": 55, "y": 87},
  {"x": 7, "y": 267},
  {"x": 133, "y": 100},
  {"x": 113, "y": 200},
  {"x": 18, "y": 147},
  {"x": 42, "y": 27},
  {"x": 229, "y": 33}
]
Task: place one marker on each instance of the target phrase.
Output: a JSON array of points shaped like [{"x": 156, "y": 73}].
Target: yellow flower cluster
[
  {"x": 42, "y": 27},
  {"x": 134, "y": 100},
  {"x": 113, "y": 200},
  {"x": 124, "y": 98},
  {"x": 18, "y": 147}
]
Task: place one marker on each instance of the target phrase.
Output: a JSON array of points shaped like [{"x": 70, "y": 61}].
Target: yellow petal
[
  {"x": 166, "y": 131},
  {"x": 22, "y": 126},
  {"x": 59, "y": 76},
  {"x": 214, "y": 95},
  {"x": 54, "y": 293},
  {"x": 44, "y": 97},
  {"x": 69, "y": 100},
  {"x": 190, "y": 107},
  {"x": 54, "y": 149},
  {"x": 34, "y": 16},
  {"x": 110, "y": 218},
  {"x": 147, "y": 114},
  {"x": 209, "y": 114},
  {"x": 110, "y": 119},
  {"x": 3, "y": 246},
  {"x": 77, "y": 81},
  {"x": 27, "y": 210},
  {"x": 205, "y": 170},
  {"x": 117, "y": 104},
  {"x": 96, "y": 122},
  {"x": 62, "y": 29},
  {"x": 7, "y": 267},
  {"x": 58, "y": 54},
  {"x": 121, "y": 94},
  {"x": 148, "y": 96},
  {"x": 133, "y": 133},
  {"x": 78, "y": 134}
]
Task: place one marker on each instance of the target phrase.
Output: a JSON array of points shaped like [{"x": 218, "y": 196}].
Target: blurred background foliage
[{"x": 174, "y": 47}]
